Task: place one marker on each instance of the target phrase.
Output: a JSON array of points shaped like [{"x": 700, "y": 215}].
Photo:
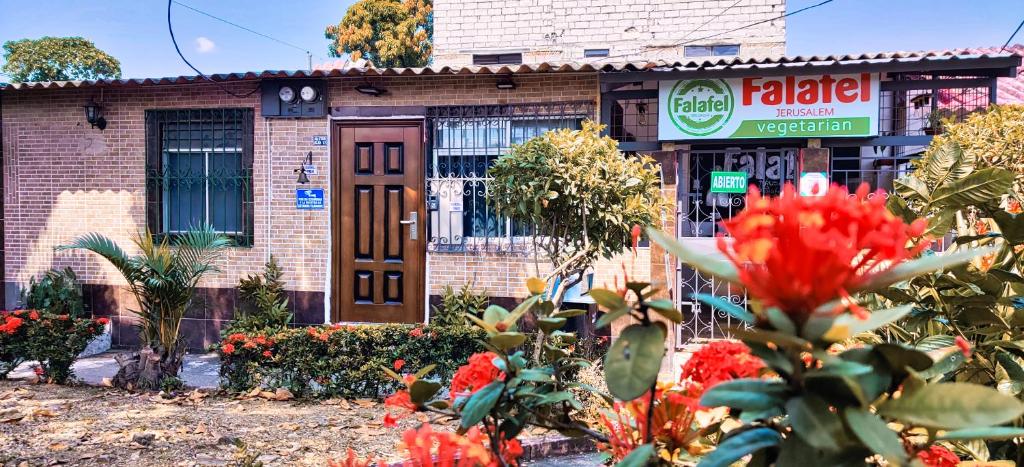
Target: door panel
[{"x": 379, "y": 252}]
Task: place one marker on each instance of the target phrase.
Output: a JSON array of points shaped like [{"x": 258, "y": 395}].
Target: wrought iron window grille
[
  {"x": 199, "y": 171},
  {"x": 463, "y": 141}
]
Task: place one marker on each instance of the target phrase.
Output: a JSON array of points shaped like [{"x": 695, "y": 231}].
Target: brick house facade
[
  {"x": 64, "y": 179},
  {"x": 536, "y": 31}
]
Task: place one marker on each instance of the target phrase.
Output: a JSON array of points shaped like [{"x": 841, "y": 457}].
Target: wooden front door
[{"x": 378, "y": 234}]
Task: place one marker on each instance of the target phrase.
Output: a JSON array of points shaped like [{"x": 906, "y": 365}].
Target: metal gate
[{"x": 699, "y": 218}]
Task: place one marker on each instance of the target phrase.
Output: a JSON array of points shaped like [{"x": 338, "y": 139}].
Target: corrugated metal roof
[{"x": 767, "y": 63}]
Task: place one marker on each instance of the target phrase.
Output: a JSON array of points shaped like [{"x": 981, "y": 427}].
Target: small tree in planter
[
  {"x": 580, "y": 193},
  {"x": 163, "y": 279}
]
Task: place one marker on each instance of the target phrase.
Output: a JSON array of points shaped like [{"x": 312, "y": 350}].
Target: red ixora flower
[
  {"x": 798, "y": 253},
  {"x": 963, "y": 345},
  {"x": 228, "y": 348},
  {"x": 416, "y": 332},
  {"x": 267, "y": 354},
  {"x": 720, "y": 361},
  {"x": 398, "y": 364},
  {"x": 474, "y": 375},
  {"x": 102, "y": 321},
  {"x": 10, "y": 324},
  {"x": 938, "y": 456},
  {"x": 426, "y": 447},
  {"x": 33, "y": 315}
]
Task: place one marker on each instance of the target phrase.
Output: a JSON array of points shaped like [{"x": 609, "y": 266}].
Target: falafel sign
[{"x": 814, "y": 106}]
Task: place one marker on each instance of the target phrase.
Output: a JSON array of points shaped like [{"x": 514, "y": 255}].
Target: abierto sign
[{"x": 815, "y": 106}]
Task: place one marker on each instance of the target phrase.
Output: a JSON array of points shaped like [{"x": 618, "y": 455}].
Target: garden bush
[
  {"x": 342, "y": 360},
  {"x": 53, "y": 340},
  {"x": 58, "y": 292},
  {"x": 264, "y": 303},
  {"x": 455, "y": 304}
]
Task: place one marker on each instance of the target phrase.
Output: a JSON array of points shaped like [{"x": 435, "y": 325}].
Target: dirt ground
[{"x": 53, "y": 425}]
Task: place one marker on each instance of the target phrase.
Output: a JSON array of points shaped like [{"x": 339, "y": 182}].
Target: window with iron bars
[
  {"x": 199, "y": 171},
  {"x": 463, "y": 143}
]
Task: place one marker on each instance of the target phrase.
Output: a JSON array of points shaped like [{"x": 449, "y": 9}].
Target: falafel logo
[{"x": 700, "y": 107}]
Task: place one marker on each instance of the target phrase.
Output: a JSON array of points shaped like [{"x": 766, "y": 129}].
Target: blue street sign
[
  {"x": 320, "y": 140},
  {"x": 309, "y": 199}
]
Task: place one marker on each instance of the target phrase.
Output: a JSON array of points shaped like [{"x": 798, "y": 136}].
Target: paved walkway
[{"x": 198, "y": 371}]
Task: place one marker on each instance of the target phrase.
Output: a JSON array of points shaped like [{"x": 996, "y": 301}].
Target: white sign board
[
  {"x": 814, "y": 106},
  {"x": 813, "y": 183}
]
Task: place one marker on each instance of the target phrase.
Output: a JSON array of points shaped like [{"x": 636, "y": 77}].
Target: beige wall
[
  {"x": 559, "y": 30},
  {"x": 64, "y": 179}
]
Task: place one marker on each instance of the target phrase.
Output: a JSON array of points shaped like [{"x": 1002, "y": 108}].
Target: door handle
[{"x": 412, "y": 222}]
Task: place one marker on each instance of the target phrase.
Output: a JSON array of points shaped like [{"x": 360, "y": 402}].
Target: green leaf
[
  {"x": 898, "y": 207},
  {"x": 637, "y": 458},
  {"x": 768, "y": 337},
  {"x": 989, "y": 433},
  {"x": 512, "y": 318},
  {"x": 812, "y": 420},
  {"x": 611, "y": 301},
  {"x": 536, "y": 375},
  {"x": 747, "y": 394},
  {"x": 900, "y": 358},
  {"x": 480, "y": 403},
  {"x": 940, "y": 223},
  {"x": 610, "y": 317},
  {"x": 722, "y": 304},
  {"x": 569, "y": 313},
  {"x": 1011, "y": 226},
  {"x": 977, "y": 188},
  {"x": 923, "y": 265},
  {"x": 846, "y": 326},
  {"x": 947, "y": 163},
  {"x": 494, "y": 314},
  {"x": 837, "y": 389},
  {"x": 951, "y": 406},
  {"x": 421, "y": 391},
  {"x": 633, "y": 361},
  {"x": 911, "y": 187},
  {"x": 666, "y": 308},
  {"x": 507, "y": 340},
  {"x": 875, "y": 434},
  {"x": 425, "y": 370},
  {"x": 734, "y": 448},
  {"x": 717, "y": 267},
  {"x": 549, "y": 324},
  {"x": 780, "y": 321}
]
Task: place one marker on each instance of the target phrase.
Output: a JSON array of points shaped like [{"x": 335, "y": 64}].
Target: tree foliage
[
  {"x": 994, "y": 138},
  {"x": 57, "y": 59},
  {"x": 387, "y": 33},
  {"x": 581, "y": 193}
]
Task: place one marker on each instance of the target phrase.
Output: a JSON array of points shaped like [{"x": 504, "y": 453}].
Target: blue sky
[{"x": 135, "y": 31}]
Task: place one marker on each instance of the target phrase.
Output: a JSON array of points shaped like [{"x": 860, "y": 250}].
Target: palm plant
[{"x": 163, "y": 278}]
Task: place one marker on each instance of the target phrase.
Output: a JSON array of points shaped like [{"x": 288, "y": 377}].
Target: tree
[
  {"x": 581, "y": 193},
  {"x": 387, "y": 33},
  {"x": 163, "y": 279},
  {"x": 57, "y": 59}
]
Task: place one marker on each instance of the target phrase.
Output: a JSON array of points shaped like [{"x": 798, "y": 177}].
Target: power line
[
  {"x": 1015, "y": 31},
  {"x": 174, "y": 41},
  {"x": 710, "y": 36},
  {"x": 719, "y": 15},
  {"x": 239, "y": 26}
]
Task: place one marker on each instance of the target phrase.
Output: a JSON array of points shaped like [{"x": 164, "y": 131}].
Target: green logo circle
[{"x": 700, "y": 107}]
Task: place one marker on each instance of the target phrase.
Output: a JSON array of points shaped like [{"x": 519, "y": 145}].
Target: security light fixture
[
  {"x": 303, "y": 178},
  {"x": 94, "y": 115},
  {"x": 370, "y": 90},
  {"x": 505, "y": 82}
]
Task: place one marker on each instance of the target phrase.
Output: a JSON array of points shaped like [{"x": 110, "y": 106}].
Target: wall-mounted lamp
[
  {"x": 94, "y": 115},
  {"x": 505, "y": 82},
  {"x": 303, "y": 177},
  {"x": 370, "y": 90}
]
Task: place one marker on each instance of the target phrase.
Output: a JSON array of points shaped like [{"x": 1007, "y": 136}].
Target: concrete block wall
[{"x": 560, "y": 30}]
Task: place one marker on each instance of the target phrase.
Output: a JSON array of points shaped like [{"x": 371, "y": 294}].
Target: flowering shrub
[
  {"x": 825, "y": 406},
  {"x": 341, "y": 361},
  {"x": 53, "y": 340}
]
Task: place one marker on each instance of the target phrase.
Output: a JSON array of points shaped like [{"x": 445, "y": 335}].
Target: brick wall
[
  {"x": 64, "y": 179},
  {"x": 560, "y": 30}
]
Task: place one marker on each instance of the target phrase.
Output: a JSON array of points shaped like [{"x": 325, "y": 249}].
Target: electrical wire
[
  {"x": 1015, "y": 31},
  {"x": 239, "y": 26},
  {"x": 719, "y": 15},
  {"x": 710, "y": 36},
  {"x": 174, "y": 41}
]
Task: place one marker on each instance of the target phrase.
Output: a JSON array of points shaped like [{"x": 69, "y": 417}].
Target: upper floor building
[{"x": 489, "y": 32}]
